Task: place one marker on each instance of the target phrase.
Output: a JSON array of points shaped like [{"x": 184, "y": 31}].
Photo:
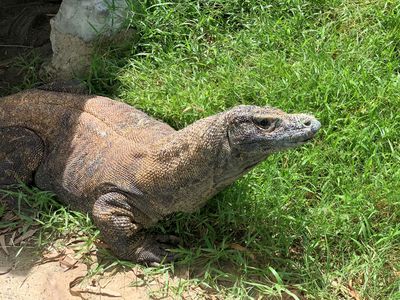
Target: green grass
[{"x": 312, "y": 221}]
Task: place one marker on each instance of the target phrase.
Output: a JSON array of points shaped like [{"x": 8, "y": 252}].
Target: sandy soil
[
  {"x": 57, "y": 275},
  {"x": 68, "y": 269}
]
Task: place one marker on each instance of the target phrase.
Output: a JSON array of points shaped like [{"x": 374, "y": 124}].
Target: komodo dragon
[{"x": 128, "y": 170}]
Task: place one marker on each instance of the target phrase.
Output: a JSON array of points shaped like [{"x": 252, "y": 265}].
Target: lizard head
[
  {"x": 254, "y": 132},
  {"x": 263, "y": 130}
]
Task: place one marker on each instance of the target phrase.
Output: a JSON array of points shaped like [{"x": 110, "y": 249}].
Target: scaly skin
[{"x": 128, "y": 170}]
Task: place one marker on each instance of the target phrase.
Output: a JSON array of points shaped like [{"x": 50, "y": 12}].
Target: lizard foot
[{"x": 156, "y": 249}]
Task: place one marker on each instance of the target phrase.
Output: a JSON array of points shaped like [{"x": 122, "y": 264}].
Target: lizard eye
[{"x": 265, "y": 123}]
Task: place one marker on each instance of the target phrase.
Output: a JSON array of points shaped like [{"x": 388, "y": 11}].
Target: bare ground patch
[
  {"x": 69, "y": 269},
  {"x": 58, "y": 274}
]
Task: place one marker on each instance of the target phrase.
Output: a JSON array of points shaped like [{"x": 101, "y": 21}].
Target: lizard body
[{"x": 128, "y": 170}]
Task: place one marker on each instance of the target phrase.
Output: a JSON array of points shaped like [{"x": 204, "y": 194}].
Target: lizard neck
[
  {"x": 193, "y": 150},
  {"x": 184, "y": 164}
]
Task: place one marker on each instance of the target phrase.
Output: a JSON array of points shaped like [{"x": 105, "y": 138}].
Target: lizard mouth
[
  {"x": 301, "y": 140},
  {"x": 308, "y": 134},
  {"x": 303, "y": 134},
  {"x": 307, "y": 139}
]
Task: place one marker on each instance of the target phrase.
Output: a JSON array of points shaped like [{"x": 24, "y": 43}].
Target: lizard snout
[{"x": 313, "y": 124}]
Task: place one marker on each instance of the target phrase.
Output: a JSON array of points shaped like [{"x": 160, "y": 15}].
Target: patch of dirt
[
  {"x": 31, "y": 279},
  {"x": 58, "y": 275},
  {"x": 61, "y": 271},
  {"x": 24, "y": 33}
]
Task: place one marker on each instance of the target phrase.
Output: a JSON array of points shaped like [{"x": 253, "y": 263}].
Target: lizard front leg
[{"x": 120, "y": 227}]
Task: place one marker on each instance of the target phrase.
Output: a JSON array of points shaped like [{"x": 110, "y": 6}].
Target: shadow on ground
[{"x": 24, "y": 40}]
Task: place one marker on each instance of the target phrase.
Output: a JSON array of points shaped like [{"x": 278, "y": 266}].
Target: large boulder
[{"x": 74, "y": 29}]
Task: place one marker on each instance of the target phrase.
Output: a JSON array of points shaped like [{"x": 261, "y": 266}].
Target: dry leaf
[
  {"x": 77, "y": 291},
  {"x": 68, "y": 262},
  {"x": 353, "y": 293},
  {"x": 9, "y": 216},
  {"x": 5, "y": 230},
  {"x": 98, "y": 291},
  {"x": 52, "y": 256},
  {"x": 75, "y": 241},
  {"x": 3, "y": 244},
  {"x": 242, "y": 249},
  {"x": 74, "y": 283},
  {"x": 11, "y": 242},
  {"x": 25, "y": 236}
]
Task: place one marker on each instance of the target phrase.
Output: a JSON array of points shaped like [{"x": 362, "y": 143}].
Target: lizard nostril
[{"x": 307, "y": 123}]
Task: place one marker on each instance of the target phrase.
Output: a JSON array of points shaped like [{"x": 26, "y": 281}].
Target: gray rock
[
  {"x": 77, "y": 24},
  {"x": 86, "y": 19}
]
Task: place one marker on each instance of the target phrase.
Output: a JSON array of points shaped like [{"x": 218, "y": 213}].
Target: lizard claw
[
  {"x": 155, "y": 250},
  {"x": 168, "y": 239}
]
